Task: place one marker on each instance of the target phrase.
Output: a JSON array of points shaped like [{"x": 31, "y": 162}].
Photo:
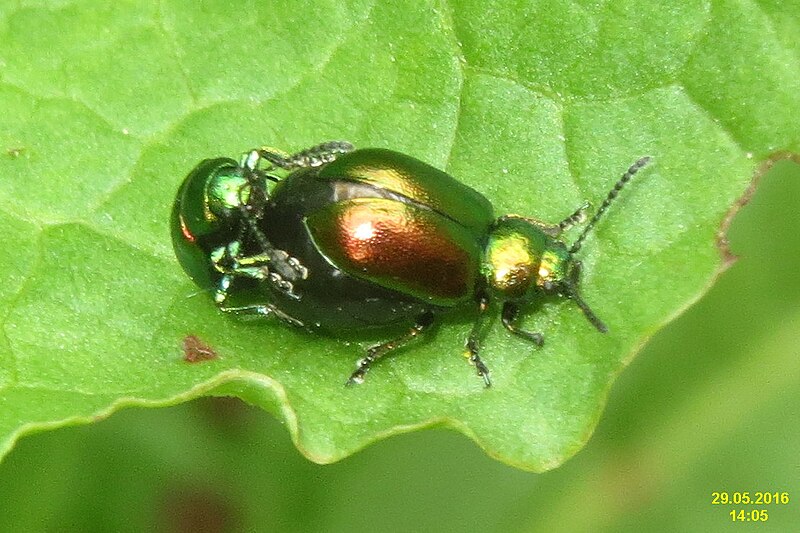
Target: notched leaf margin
[{"x": 723, "y": 244}]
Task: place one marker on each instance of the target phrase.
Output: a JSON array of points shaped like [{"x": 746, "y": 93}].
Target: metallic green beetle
[{"x": 352, "y": 239}]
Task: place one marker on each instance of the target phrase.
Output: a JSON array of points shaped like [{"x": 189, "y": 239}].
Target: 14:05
[{"x": 755, "y": 515}]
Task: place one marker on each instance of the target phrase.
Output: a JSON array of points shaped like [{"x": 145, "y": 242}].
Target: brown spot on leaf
[{"x": 196, "y": 351}]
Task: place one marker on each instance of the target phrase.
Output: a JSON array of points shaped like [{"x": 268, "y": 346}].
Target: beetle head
[
  {"x": 523, "y": 260},
  {"x": 524, "y": 257}
]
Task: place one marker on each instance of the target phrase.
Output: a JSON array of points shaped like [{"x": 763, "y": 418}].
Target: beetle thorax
[
  {"x": 225, "y": 193},
  {"x": 520, "y": 259}
]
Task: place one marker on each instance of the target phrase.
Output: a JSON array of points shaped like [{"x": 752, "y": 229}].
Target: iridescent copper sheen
[{"x": 399, "y": 245}]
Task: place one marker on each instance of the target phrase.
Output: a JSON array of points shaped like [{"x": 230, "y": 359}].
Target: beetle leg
[
  {"x": 225, "y": 260},
  {"x": 423, "y": 322},
  {"x": 228, "y": 260},
  {"x": 572, "y": 292},
  {"x": 221, "y": 294},
  {"x": 474, "y": 340},
  {"x": 278, "y": 267},
  {"x": 273, "y": 264},
  {"x": 261, "y": 311},
  {"x": 509, "y": 316},
  {"x": 278, "y": 262},
  {"x": 309, "y": 158}
]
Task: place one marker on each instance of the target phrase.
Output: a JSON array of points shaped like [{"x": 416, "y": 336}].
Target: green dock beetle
[{"x": 335, "y": 238}]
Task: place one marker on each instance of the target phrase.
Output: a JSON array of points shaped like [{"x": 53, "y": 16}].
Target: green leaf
[{"x": 540, "y": 107}]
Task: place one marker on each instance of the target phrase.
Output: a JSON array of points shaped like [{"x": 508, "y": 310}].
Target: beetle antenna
[
  {"x": 612, "y": 194},
  {"x": 572, "y": 293}
]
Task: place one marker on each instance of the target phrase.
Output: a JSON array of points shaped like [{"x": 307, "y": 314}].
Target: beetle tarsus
[
  {"x": 315, "y": 156},
  {"x": 354, "y": 380},
  {"x": 357, "y": 377},
  {"x": 474, "y": 340},
  {"x": 471, "y": 353},
  {"x": 483, "y": 371},
  {"x": 274, "y": 265},
  {"x": 423, "y": 322},
  {"x": 509, "y": 316},
  {"x": 287, "y": 266}
]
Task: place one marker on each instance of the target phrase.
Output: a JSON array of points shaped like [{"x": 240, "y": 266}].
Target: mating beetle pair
[{"x": 352, "y": 239}]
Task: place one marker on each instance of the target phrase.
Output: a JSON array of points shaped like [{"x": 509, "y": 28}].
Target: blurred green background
[{"x": 709, "y": 405}]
